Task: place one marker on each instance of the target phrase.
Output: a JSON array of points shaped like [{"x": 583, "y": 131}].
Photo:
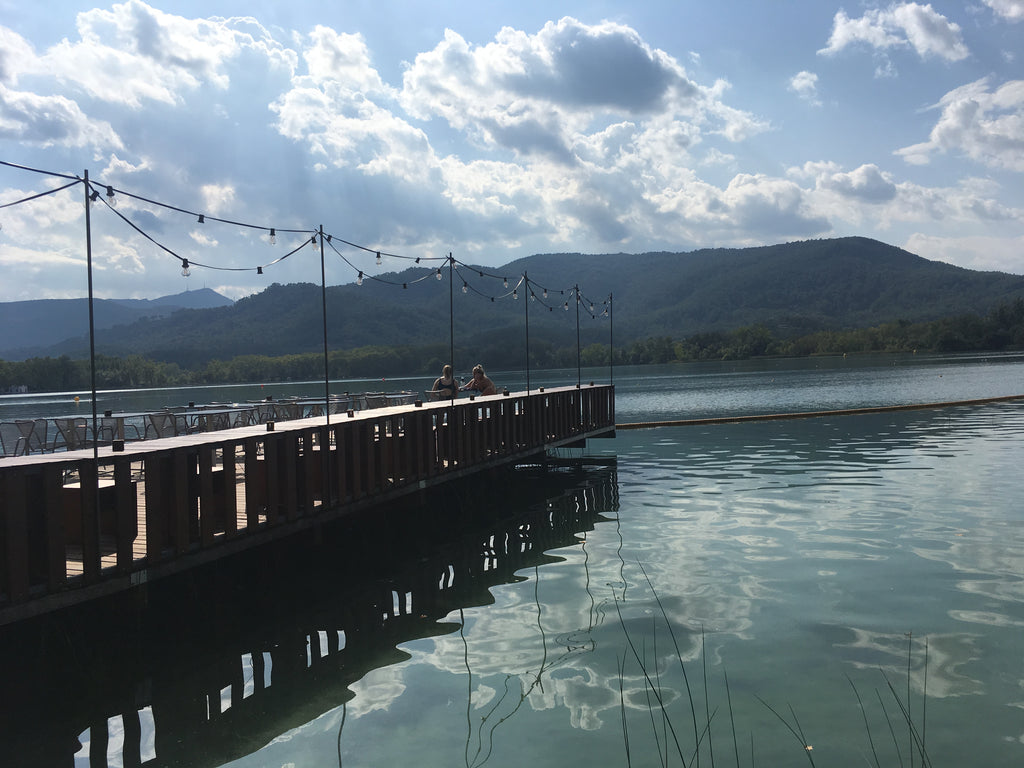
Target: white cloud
[
  {"x": 134, "y": 53},
  {"x": 51, "y": 120},
  {"x": 983, "y": 124},
  {"x": 15, "y": 52},
  {"x": 1012, "y": 10},
  {"x": 980, "y": 252},
  {"x": 533, "y": 94},
  {"x": 906, "y": 25},
  {"x": 805, "y": 85},
  {"x": 867, "y": 184}
]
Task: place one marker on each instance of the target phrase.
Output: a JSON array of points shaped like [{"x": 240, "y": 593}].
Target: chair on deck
[
  {"x": 286, "y": 411},
  {"x": 39, "y": 439},
  {"x": 72, "y": 434},
  {"x": 12, "y": 440},
  {"x": 108, "y": 429},
  {"x": 264, "y": 413},
  {"x": 162, "y": 424}
]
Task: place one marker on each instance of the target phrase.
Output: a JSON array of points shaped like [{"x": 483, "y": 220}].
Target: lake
[{"x": 761, "y": 593}]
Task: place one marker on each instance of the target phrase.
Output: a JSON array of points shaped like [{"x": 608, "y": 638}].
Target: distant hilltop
[
  {"x": 32, "y": 327},
  {"x": 791, "y": 289}
]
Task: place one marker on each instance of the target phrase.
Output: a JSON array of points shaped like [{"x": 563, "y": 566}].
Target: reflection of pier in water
[{"x": 244, "y": 662}]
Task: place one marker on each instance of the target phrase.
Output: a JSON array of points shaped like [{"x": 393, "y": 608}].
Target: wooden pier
[{"x": 82, "y": 524}]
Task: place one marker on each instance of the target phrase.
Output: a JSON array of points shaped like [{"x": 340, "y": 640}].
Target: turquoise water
[{"x": 821, "y": 571}]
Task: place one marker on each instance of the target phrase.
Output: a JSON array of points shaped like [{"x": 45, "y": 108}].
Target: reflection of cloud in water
[
  {"x": 377, "y": 690},
  {"x": 946, "y": 655}
]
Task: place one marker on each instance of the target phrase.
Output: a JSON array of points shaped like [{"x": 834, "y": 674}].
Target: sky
[{"x": 492, "y": 131}]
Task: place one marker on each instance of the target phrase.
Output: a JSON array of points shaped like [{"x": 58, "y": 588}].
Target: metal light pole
[
  {"x": 451, "y": 315},
  {"x": 579, "y": 378},
  {"x": 92, "y": 320},
  {"x": 323, "y": 298},
  {"x": 529, "y": 292}
]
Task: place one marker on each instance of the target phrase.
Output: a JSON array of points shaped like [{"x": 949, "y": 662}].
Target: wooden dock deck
[{"x": 82, "y": 524}]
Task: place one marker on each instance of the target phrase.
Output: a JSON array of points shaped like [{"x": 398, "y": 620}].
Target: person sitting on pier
[
  {"x": 479, "y": 382},
  {"x": 446, "y": 383}
]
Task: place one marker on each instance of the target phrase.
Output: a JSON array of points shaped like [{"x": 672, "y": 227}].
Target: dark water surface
[{"x": 826, "y": 571}]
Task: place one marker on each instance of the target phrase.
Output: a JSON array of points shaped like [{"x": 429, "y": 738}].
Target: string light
[{"x": 111, "y": 199}]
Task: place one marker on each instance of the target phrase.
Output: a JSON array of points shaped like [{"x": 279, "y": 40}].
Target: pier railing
[{"x": 80, "y": 524}]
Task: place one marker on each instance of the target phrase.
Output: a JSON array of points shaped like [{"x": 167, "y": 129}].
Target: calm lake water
[{"x": 830, "y": 572}]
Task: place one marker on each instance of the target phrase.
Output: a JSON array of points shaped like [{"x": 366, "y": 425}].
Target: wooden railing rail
[{"x": 75, "y": 525}]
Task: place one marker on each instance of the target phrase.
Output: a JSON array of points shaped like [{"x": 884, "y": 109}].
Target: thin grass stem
[
  {"x": 647, "y": 677},
  {"x": 867, "y": 726},
  {"x": 732, "y": 717},
  {"x": 621, "y": 661},
  {"x": 796, "y": 734},
  {"x": 679, "y": 655}
]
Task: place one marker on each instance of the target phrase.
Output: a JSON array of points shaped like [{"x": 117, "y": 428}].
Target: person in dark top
[{"x": 446, "y": 383}]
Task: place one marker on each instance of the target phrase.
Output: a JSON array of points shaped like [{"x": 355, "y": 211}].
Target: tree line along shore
[{"x": 1000, "y": 330}]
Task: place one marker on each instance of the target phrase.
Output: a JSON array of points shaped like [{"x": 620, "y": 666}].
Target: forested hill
[
  {"x": 32, "y": 326},
  {"x": 792, "y": 289}
]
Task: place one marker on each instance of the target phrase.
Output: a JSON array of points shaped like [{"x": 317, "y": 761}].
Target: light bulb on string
[
  {"x": 185, "y": 271},
  {"x": 533, "y": 296},
  {"x": 591, "y": 306},
  {"x": 438, "y": 273},
  {"x": 465, "y": 287},
  {"x": 515, "y": 294},
  {"x": 273, "y": 236},
  {"x": 545, "y": 293},
  {"x": 566, "y": 307},
  {"x": 505, "y": 282},
  {"x": 378, "y": 258},
  {"x": 111, "y": 200},
  {"x": 259, "y": 270},
  {"x": 359, "y": 280},
  {"x": 202, "y": 219}
]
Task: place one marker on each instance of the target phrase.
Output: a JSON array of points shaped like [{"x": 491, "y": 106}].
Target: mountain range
[{"x": 793, "y": 289}]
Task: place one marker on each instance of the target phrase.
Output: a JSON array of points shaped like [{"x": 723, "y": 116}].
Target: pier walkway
[{"x": 81, "y": 524}]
